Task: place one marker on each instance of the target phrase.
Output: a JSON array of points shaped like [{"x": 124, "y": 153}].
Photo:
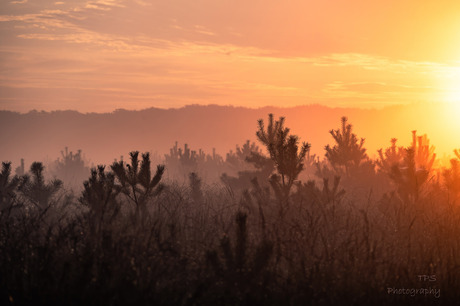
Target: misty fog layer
[{"x": 105, "y": 137}]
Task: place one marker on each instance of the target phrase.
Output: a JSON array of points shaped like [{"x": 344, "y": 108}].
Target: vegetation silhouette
[
  {"x": 71, "y": 168},
  {"x": 34, "y": 188},
  {"x": 8, "y": 187},
  {"x": 133, "y": 238},
  {"x": 348, "y": 152},
  {"x": 100, "y": 195},
  {"x": 136, "y": 182},
  {"x": 252, "y": 164},
  {"x": 412, "y": 171},
  {"x": 181, "y": 162},
  {"x": 284, "y": 151}
]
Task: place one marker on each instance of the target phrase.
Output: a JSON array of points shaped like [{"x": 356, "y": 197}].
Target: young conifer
[
  {"x": 348, "y": 151},
  {"x": 285, "y": 152},
  {"x": 136, "y": 181}
]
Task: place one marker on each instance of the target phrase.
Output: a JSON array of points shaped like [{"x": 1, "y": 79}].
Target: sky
[{"x": 101, "y": 55}]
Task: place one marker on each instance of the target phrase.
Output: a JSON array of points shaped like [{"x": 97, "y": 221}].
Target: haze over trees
[
  {"x": 105, "y": 137},
  {"x": 267, "y": 223}
]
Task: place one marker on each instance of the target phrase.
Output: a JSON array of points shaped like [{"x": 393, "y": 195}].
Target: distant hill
[{"x": 104, "y": 137}]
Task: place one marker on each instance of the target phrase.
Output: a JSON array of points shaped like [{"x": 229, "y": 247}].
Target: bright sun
[
  {"x": 450, "y": 86},
  {"x": 453, "y": 96}
]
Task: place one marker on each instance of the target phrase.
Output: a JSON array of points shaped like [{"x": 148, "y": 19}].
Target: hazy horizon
[
  {"x": 106, "y": 136},
  {"x": 213, "y": 105}
]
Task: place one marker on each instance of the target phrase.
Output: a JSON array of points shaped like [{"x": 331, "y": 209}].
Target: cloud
[
  {"x": 181, "y": 52},
  {"x": 142, "y": 3},
  {"x": 371, "y": 92},
  {"x": 103, "y": 5},
  {"x": 373, "y": 88}
]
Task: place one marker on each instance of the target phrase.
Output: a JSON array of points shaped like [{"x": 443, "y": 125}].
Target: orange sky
[{"x": 105, "y": 54}]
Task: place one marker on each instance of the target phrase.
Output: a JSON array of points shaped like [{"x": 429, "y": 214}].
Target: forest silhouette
[{"x": 269, "y": 223}]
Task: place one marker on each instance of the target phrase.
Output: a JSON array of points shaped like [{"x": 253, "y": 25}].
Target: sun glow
[
  {"x": 448, "y": 94},
  {"x": 442, "y": 118},
  {"x": 452, "y": 96},
  {"x": 451, "y": 85}
]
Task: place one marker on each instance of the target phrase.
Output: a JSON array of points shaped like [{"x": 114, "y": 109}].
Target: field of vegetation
[{"x": 273, "y": 225}]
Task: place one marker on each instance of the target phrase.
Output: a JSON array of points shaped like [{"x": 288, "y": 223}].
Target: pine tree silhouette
[
  {"x": 424, "y": 152},
  {"x": 100, "y": 195},
  {"x": 36, "y": 190},
  {"x": 137, "y": 182},
  {"x": 393, "y": 155},
  {"x": 71, "y": 168},
  {"x": 285, "y": 153},
  {"x": 348, "y": 152},
  {"x": 8, "y": 187},
  {"x": 413, "y": 172},
  {"x": 182, "y": 161},
  {"x": 452, "y": 176}
]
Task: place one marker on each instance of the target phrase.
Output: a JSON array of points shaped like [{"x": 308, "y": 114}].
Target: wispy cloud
[
  {"x": 142, "y": 3},
  {"x": 375, "y": 90},
  {"x": 218, "y": 52},
  {"x": 103, "y": 5}
]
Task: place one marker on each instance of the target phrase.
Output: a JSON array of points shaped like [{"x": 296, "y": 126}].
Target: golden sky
[{"x": 106, "y": 54}]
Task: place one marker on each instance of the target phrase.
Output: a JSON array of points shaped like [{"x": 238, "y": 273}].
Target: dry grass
[{"x": 326, "y": 248}]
